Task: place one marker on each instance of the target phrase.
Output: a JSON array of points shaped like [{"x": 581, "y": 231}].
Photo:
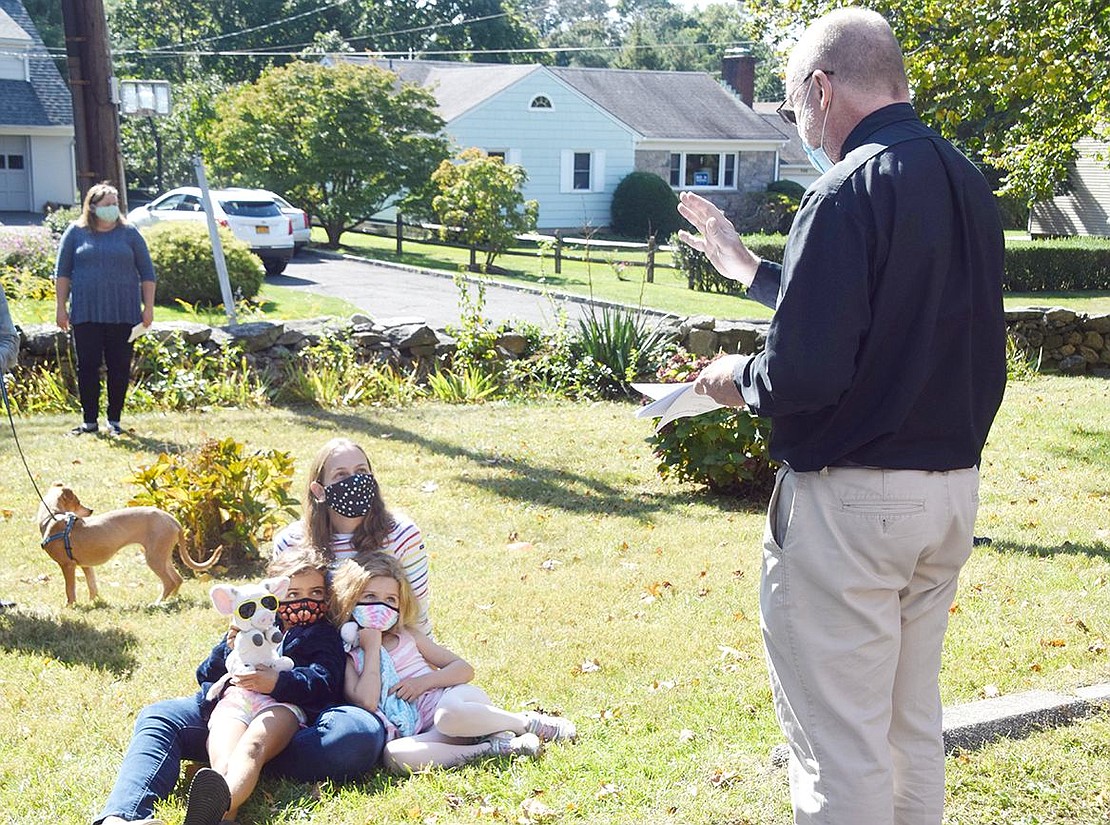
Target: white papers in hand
[
  {"x": 671, "y": 401},
  {"x": 136, "y": 331}
]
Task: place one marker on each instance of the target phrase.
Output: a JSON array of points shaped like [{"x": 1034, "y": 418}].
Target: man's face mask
[
  {"x": 353, "y": 495},
  {"x": 375, "y": 615}
]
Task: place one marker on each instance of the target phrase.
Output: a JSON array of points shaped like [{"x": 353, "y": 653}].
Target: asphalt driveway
[{"x": 384, "y": 292}]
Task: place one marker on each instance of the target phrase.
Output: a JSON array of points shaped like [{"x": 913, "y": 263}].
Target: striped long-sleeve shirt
[{"x": 404, "y": 542}]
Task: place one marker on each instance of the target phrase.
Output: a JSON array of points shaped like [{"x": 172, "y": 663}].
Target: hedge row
[{"x": 1058, "y": 265}]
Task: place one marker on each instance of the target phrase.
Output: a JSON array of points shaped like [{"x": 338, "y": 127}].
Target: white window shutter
[
  {"x": 597, "y": 171},
  {"x": 566, "y": 171},
  {"x": 512, "y": 156}
]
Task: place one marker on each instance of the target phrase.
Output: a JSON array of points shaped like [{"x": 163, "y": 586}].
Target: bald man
[{"x": 883, "y": 370}]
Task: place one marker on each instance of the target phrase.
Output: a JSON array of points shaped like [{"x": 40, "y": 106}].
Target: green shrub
[
  {"x": 702, "y": 277},
  {"x": 765, "y": 212},
  {"x": 1057, "y": 265},
  {"x": 724, "y": 450},
  {"x": 644, "y": 203},
  {"x": 622, "y": 340},
  {"x": 791, "y": 188},
  {"x": 172, "y": 374},
  {"x": 182, "y": 255},
  {"x": 27, "y": 263},
  {"x": 224, "y": 497},
  {"x": 56, "y": 220}
]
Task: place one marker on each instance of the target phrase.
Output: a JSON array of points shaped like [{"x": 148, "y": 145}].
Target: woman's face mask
[
  {"x": 108, "y": 214},
  {"x": 353, "y": 495},
  {"x": 301, "y": 612},
  {"x": 375, "y": 615}
]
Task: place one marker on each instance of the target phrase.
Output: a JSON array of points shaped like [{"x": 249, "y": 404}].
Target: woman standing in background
[{"x": 103, "y": 272}]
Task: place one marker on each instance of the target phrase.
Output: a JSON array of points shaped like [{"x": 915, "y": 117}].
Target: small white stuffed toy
[{"x": 253, "y": 610}]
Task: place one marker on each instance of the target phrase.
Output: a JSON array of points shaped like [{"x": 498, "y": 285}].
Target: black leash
[{"x": 18, "y": 446}]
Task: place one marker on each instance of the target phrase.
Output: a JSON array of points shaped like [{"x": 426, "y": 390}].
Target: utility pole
[{"x": 95, "y": 113}]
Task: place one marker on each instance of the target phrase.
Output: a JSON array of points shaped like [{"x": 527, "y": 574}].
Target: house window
[
  {"x": 15, "y": 161},
  {"x": 703, "y": 170},
  {"x": 497, "y": 153},
  {"x": 541, "y": 102},
  {"x": 729, "y": 181},
  {"x": 582, "y": 171},
  {"x": 581, "y": 178}
]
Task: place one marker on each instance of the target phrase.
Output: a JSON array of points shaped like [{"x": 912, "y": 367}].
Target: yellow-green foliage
[{"x": 182, "y": 255}]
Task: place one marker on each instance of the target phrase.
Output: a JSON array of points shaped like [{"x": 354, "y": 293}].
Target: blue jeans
[{"x": 345, "y": 742}]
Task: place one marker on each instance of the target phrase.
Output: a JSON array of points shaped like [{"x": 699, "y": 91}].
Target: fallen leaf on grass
[
  {"x": 1053, "y": 643},
  {"x": 550, "y": 564},
  {"x": 657, "y": 686},
  {"x": 429, "y": 487},
  {"x": 990, "y": 691},
  {"x": 6, "y": 515},
  {"x": 588, "y": 666},
  {"x": 686, "y": 735},
  {"x": 607, "y": 790},
  {"x": 1097, "y": 646},
  {"x": 721, "y": 778},
  {"x": 535, "y": 811}
]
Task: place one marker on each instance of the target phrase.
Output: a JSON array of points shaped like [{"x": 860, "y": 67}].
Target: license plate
[{"x": 262, "y": 230}]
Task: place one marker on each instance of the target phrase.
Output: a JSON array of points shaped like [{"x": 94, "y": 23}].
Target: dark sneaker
[
  {"x": 114, "y": 428},
  {"x": 209, "y": 798},
  {"x": 84, "y": 428}
]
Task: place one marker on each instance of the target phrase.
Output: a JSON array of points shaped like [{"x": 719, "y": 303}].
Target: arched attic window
[{"x": 541, "y": 103}]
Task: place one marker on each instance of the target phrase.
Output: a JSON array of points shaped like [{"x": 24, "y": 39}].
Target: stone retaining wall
[{"x": 1064, "y": 341}]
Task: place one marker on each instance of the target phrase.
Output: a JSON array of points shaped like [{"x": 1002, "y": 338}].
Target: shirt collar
[{"x": 894, "y": 113}]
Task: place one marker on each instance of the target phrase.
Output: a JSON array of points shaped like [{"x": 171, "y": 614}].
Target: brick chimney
[{"x": 738, "y": 71}]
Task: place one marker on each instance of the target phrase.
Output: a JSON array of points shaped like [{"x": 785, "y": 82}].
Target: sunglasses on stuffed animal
[{"x": 248, "y": 608}]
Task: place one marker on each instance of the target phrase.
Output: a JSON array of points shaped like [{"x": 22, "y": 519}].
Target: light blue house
[
  {"x": 36, "y": 119},
  {"x": 579, "y": 132}
]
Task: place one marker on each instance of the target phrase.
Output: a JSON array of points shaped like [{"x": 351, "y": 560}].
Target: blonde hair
[
  {"x": 351, "y": 576},
  {"x": 95, "y": 195},
  {"x": 371, "y": 534}
]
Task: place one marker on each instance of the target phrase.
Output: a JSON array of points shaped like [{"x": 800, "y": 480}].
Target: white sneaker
[
  {"x": 550, "y": 728},
  {"x": 505, "y": 744}
]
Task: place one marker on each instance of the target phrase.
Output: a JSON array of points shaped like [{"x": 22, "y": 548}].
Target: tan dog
[{"x": 74, "y": 537}]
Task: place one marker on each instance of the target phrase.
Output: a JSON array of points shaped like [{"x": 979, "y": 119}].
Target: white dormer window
[{"x": 541, "y": 103}]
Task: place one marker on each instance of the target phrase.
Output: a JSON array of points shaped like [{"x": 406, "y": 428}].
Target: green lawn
[
  {"x": 669, "y": 292},
  {"x": 635, "y": 612},
  {"x": 272, "y": 302}
]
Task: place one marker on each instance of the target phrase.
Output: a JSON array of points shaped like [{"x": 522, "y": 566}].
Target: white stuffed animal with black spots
[{"x": 253, "y": 611}]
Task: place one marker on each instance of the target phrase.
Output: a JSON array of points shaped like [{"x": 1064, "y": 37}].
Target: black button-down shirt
[{"x": 887, "y": 347}]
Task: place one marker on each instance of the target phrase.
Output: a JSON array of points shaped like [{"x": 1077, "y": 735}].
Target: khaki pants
[{"x": 859, "y": 571}]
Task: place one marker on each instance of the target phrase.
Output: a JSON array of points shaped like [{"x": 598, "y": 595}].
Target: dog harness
[{"x": 64, "y": 535}]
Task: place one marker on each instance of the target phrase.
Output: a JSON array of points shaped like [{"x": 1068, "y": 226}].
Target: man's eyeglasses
[
  {"x": 249, "y": 607},
  {"x": 785, "y": 111}
]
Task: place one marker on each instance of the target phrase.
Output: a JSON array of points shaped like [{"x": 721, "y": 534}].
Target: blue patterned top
[{"x": 105, "y": 270}]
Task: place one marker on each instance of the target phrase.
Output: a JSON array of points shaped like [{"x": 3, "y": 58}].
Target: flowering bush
[{"x": 27, "y": 262}]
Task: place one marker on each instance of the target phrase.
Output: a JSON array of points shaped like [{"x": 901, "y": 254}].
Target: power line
[
  {"x": 269, "y": 25},
  {"x": 444, "y": 52}
]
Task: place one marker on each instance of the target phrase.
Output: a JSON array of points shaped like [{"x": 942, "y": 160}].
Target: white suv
[{"x": 250, "y": 214}]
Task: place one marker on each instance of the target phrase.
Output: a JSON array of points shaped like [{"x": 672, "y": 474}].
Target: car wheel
[{"x": 274, "y": 266}]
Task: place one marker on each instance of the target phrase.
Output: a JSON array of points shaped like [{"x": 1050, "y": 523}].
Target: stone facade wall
[{"x": 1064, "y": 341}]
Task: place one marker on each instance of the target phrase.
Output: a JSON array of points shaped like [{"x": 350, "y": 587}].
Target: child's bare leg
[
  {"x": 222, "y": 739},
  {"x": 265, "y": 737},
  {"x": 431, "y": 749},
  {"x": 466, "y": 711}
]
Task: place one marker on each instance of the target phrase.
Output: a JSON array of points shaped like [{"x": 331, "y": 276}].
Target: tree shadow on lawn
[
  {"x": 1086, "y": 445},
  {"x": 70, "y": 641},
  {"x": 544, "y": 485},
  {"x": 1095, "y": 550}
]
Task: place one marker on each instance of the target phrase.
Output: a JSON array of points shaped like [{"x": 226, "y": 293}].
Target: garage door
[{"x": 15, "y": 175}]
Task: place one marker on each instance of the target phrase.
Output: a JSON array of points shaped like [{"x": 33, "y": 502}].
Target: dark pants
[{"x": 107, "y": 344}]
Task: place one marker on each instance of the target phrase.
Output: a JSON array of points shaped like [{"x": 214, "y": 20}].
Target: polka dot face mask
[{"x": 352, "y": 496}]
